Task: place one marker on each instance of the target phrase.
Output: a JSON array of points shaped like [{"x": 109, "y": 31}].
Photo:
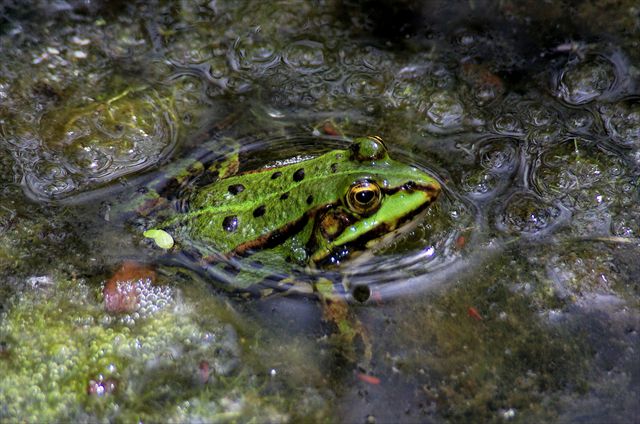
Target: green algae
[{"x": 64, "y": 358}]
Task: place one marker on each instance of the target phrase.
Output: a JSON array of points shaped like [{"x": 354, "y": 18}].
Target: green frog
[
  {"x": 307, "y": 214},
  {"x": 318, "y": 212}
]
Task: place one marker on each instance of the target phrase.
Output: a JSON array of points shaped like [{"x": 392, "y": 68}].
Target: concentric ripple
[
  {"x": 435, "y": 240},
  {"x": 498, "y": 159},
  {"x": 586, "y": 80},
  {"x": 305, "y": 56},
  {"x": 93, "y": 144},
  {"x": 525, "y": 214},
  {"x": 622, "y": 120}
]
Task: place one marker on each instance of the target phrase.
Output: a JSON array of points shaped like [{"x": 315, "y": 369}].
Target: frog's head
[{"x": 381, "y": 198}]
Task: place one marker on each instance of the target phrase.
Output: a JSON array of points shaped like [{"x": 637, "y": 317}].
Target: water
[{"x": 514, "y": 298}]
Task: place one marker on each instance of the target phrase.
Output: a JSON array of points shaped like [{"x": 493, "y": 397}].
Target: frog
[
  {"x": 294, "y": 221},
  {"x": 318, "y": 212}
]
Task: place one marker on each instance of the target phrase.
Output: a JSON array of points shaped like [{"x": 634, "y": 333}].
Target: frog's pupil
[
  {"x": 230, "y": 223},
  {"x": 364, "y": 196}
]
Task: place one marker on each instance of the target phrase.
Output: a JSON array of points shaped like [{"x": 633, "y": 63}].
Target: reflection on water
[{"x": 514, "y": 296}]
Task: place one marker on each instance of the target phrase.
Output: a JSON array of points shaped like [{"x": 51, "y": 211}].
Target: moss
[
  {"x": 65, "y": 358},
  {"x": 485, "y": 348}
]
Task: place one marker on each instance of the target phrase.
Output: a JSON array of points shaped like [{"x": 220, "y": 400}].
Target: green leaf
[{"x": 161, "y": 237}]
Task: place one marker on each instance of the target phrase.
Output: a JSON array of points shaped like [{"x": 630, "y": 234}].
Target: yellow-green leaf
[{"x": 161, "y": 237}]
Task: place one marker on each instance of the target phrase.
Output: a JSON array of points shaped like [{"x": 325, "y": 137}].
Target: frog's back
[{"x": 266, "y": 206}]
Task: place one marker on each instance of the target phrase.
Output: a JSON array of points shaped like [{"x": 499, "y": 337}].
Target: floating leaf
[{"x": 161, "y": 237}]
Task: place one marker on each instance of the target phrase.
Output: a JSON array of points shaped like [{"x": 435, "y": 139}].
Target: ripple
[
  {"x": 622, "y": 121},
  {"x": 436, "y": 240},
  {"x": 580, "y": 121},
  {"x": 579, "y": 176},
  {"x": 508, "y": 124},
  {"x": 99, "y": 142},
  {"x": 498, "y": 159},
  {"x": 480, "y": 185},
  {"x": 626, "y": 223},
  {"x": 528, "y": 215},
  {"x": 88, "y": 160},
  {"x": 363, "y": 85},
  {"x": 253, "y": 53},
  {"x": 498, "y": 155},
  {"x": 539, "y": 114},
  {"x": 444, "y": 112},
  {"x": 49, "y": 180},
  {"x": 424, "y": 257},
  {"x": 587, "y": 80},
  {"x": 541, "y": 119},
  {"x": 305, "y": 56}
]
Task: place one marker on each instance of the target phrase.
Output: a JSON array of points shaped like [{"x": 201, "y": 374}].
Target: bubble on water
[
  {"x": 622, "y": 121},
  {"x": 305, "y": 56},
  {"x": 98, "y": 142},
  {"x": 49, "y": 179},
  {"x": 527, "y": 214},
  {"x": 373, "y": 57},
  {"x": 498, "y": 158},
  {"x": 579, "y": 121},
  {"x": 578, "y": 175},
  {"x": 479, "y": 185},
  {"x": 508, "y": 124},
  {"x": 88, "y": 159},
  {"x": 402, "y": 90},
  {"x": 254, "y": 53},
  {"x": 539, "y": 115},
  {"x": 627, "y": 222},
  {"x": 444, "y": 112},
  {"x": 499, "y": 155},
  {"x": 363, "y": 85},
  {"x": 544, "y": 135},
  {"x": 582, "y": 82}
]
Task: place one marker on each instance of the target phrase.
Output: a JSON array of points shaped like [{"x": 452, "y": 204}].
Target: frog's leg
[
  {"x": 349, "y": 329},
  {"x": 219, "y": 169}
]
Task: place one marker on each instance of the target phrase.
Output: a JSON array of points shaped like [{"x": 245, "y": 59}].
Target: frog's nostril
[{"x": 361, "y": 293}]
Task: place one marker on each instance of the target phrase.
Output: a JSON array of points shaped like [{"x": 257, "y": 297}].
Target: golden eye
[{"x": 364, "y": 197}]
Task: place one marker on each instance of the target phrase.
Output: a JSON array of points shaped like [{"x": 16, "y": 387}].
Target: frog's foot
[
  {"x": 151, "y": 206},
  {"x": 348, "y": 336}
]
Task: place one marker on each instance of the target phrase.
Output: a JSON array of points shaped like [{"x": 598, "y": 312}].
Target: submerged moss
[{"x": 64, "y": 358}]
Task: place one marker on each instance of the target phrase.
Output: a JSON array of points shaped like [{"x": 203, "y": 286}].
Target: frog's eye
[
  {"x": 368, "y": 148},
  {"x": 364, "y": 197}
]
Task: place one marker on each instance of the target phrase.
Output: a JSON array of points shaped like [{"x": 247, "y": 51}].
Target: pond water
[{"x": 513, "y": 297}]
